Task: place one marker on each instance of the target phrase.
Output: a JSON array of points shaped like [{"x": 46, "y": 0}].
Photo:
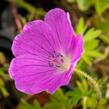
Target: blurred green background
[{"x": 89, "y": 86}]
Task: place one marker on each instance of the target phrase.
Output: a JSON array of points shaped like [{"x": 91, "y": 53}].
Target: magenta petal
[
  {"x": 33, "y": 84},
  {"x": 33, "y": 75},
  {"x": 36, "y": 39},
  {"x": 60, "y": 23},
  {"x": 51, "y": 83},
  {"x": 28, "y": 70},
  {"x": 31, "y": 24},
  {"x": 77, "y": 48},
  {"x": 46, "y": 83},
  {"x": 61, "y": 80},
  {"x": 27, "y": 65}
]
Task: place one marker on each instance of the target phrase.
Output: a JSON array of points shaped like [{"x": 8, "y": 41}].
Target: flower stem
[{"x": 96, "y": 87}]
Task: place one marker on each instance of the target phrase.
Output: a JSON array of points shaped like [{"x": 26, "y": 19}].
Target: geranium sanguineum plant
[{"x": 46, "y": 53}]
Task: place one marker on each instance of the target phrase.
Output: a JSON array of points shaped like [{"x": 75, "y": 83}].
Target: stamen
[
  {"x": 56, "y": 60},
  {"x": 60, "y": 62}
]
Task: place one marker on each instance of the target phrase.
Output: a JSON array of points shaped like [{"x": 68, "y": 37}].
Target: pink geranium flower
[{"x": 46, "y": 53}]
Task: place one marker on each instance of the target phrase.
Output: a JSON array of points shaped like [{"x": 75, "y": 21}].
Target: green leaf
[
  {"x": 92, "y": 44},
  {"x": 3, "y": 89},
  {"x": 84, "y": 4},
  {"x": 71, "y": 1},
  {"x": 26, "y": 105},
  {"x": 105, "y": 38},
  {"x": 94, "y": 54},
  {"x": 37, "y": 105},
  {"x": 87, "y": 59},
  {"x": 91, "y": 34},
  {"x": 58, "y": 101},
  {"x": 101, "y": 6},
  {"x": 74, "y": 96},
  {"x": 30, "y": 8},
  {"x": 81, "y": 27}
]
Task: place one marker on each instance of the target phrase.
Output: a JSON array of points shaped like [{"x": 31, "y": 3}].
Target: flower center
[{"x": 58, "y": 61}]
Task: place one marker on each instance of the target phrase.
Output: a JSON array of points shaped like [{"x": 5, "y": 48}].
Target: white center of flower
[{"x": 59, "y": 62}]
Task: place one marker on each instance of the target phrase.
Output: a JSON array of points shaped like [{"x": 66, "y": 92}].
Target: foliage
[
  {"x": 26, "y": 105},
  {"x": 91, "y": 42},
  {"x": 35, "y": 12},
  {"x": 84, "y": 5}
]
